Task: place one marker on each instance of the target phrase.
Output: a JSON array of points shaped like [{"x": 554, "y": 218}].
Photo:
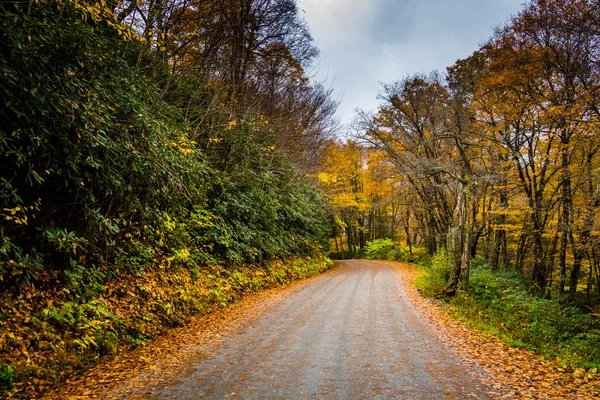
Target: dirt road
[{"x": 349, "y": 334}]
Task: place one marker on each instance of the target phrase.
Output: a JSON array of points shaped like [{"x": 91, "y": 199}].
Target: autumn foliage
[
  {"x": 492, "y": 167},
  {"x": 497, "y": 157}
]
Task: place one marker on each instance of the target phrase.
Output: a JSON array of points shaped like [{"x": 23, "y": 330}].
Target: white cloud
[
  {"x": 332, "y": 19},
  {"x": 364, "y": 42}
]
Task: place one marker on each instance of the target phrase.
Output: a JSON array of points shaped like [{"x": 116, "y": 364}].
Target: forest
[
  {"x": 155, "y": 164},
  {"x": 497, "y": 157},
  {"x": 493, "y": 166},
  {"x": 160, "y": 159}
]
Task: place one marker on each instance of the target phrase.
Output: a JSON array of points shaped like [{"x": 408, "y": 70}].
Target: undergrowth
[
  {"x": 386, "y": 249},
  {"x": 499, "y": 302},
  {"x": 47, "y": 335}
]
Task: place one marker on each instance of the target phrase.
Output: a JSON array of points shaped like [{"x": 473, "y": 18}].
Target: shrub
[
  {"x": 7, "y": 376},
  {"x": 414, "y": 254},
  {"x": 380, "y": 249},
  {"x": 433, "y": 281}
]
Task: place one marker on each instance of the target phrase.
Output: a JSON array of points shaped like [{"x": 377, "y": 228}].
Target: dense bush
[
  {"x": 386, "y": 249},
  {"x": 380, "y": 249},
  {"x": 111, "y": 200},
  {"x": 434, "y": 279},
  {"x": 94, "y": 164},
  {"x": 98, "y": 170}
]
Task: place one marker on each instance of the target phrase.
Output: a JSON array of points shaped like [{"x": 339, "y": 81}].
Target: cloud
[
  {"x": 364, "y": 42},
  {"x": 392, "y": 22}
]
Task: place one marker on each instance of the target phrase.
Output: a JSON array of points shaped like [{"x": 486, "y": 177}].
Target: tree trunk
[
  {"x": 550, "y": 262},
  {"x": 407, "y": 231},
  {"x": 500, "y": 234},
  {"x": 566, "y": 200},
  {"x": 521, "y": 251},
  {"x": 539, "y": 274},
  {"x": 349, "y": 237},
  {"x": 431, "y": 233},
  {"x": 539, "y": 267},
  {"x": 459, "y": 241},
  {"x": 499, "y": 241},
  {"x": 465, "y": 257}
]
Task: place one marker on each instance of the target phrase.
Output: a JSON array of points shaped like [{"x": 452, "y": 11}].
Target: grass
[{"x": 499, "y": 302}]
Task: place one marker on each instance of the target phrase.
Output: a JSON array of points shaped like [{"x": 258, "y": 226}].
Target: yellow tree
[
  {"x": 537, "y": 95},
  {"x": 425, "y": 127},
  {"x": 343, "y": 179}
]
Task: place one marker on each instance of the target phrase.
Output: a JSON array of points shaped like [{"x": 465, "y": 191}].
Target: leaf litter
[
  {"x": 129, "y": 374},
  {"x": 515, "y": 373}
]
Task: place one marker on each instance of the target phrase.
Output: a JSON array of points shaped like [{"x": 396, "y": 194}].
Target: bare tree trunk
[
  {"x": 521, "y": 252},
  {"x": 431, "y": 233},
  {"x": 459, "y": 242},
  {"x": 539, "y": 267},
  {"x": 499, "y": 239},
  {"x": 406, "y": 224},
  {"x": 540, "y": 274},
  {"x": 350, "y": 235},
  {"x": 500, "y": 234},
  {"x": 565, "y": 220},
  {"x": 465, "y": 257},
  {"x": 550, "y": 261},
  {"x": 590, "y": 279}
]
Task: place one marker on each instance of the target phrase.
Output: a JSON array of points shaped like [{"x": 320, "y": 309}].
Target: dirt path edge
[{"x": 514, "y": 373}]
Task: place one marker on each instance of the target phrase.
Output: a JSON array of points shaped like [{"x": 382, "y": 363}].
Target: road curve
[{"x": 349, "y": 334}]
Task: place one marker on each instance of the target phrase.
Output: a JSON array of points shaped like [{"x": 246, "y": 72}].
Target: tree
[{"x": 425, "y": 128}]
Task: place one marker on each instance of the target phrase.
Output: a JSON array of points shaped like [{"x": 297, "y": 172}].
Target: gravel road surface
[{"x": 349, "y": 334}]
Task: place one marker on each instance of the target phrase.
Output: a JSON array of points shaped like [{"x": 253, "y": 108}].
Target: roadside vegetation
[
  {"x": 386, "y": 249},
  {"x": 144, "y": 181},
  {"x": 501, "y": 303}
]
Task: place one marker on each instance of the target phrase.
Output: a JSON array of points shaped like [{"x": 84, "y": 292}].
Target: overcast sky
[{"x": 364, "y": 42}]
